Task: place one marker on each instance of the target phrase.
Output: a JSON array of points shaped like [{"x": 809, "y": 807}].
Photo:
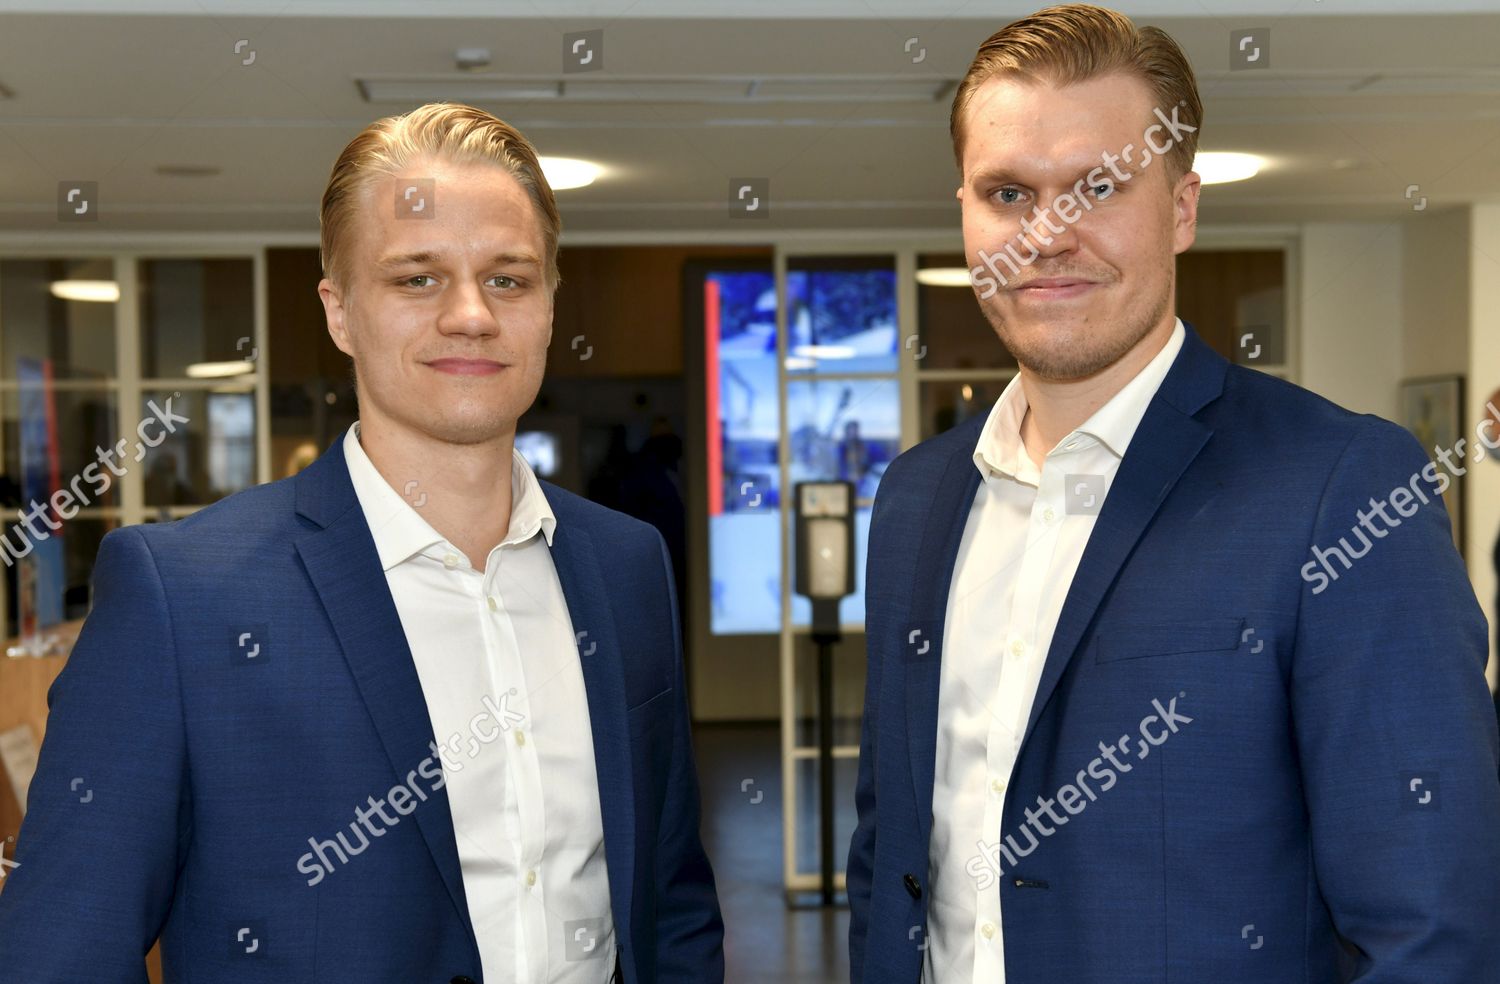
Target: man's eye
[
  {"x": 1001, "y": 196},
  {"x": 1102, "y": 191},
  {"x": 408, "y": 282},
  {"x": 504, "y": 282}
]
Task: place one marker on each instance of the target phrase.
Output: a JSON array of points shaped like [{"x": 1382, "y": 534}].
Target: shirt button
[
  {"x": 530, "y": 878},
  {"x": 520, "y": 737},
  {"x": 1048, "y": 514},
  {"x": 1017, "y": 648},
  {"x": 988, "y": 930},
  {"x": 450, "y": 561},
  {"x": 491, "y": 600},
  {"x": 997, "y": 786}
]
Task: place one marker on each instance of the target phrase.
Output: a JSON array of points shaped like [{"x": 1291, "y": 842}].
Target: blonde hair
[
  {"x": 1076, "y": 42},
  {"x": 445, "y": 131}
]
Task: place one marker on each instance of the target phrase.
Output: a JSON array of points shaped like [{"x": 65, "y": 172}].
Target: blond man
[
  {"x": 1174, "y": 672},
  {"x": 398, "y": 717}
]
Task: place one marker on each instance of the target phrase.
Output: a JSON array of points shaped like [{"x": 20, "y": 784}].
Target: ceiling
[{"x": 842, "y": 106}]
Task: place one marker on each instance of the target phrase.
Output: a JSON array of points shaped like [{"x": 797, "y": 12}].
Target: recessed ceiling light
[
  {"x": 1221, "y": 167},
  {"x": 104, "y": 291},
  {"x": 189, "y": 170},
  {"x": 569, "y": 172},
  {"x": 944, "y": 277},
  {"x": 471, "y": 59},
  {"x": 216, "y": 370}
]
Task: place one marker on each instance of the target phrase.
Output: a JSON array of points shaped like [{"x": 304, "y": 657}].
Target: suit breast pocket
[{"x": 1214, "y": 635}]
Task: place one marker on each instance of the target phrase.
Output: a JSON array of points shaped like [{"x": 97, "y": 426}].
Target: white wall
[
  {"x": 1385, "y": 301},
  {"x": 1350, "y": 314},
  {"x": 1483, "y": 504}
]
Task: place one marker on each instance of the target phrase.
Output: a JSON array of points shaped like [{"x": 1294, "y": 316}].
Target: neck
[
  {"x": 462, "y": 490},
  {"x": 1057, "y": 407}
]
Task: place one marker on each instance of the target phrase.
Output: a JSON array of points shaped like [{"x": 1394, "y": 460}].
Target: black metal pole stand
[{"x": 825, "y": 638}]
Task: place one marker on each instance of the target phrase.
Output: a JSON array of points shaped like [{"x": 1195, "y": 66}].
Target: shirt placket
[
  {"x": 1018, "y": 657},
  {"x": 524, "y": 771}
]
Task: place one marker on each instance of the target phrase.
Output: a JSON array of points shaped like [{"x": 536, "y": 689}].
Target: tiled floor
[{"x": 765, "y": 941}]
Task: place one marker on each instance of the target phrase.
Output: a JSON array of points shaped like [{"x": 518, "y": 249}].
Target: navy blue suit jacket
[
  {"x": 1310, "y": 795},
  {"x": 180, "y": 781}
]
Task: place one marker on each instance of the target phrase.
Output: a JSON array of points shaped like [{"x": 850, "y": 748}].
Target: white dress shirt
[
  {"x": 1025, "y": 535},
  {"x": 501, "y": 676}
]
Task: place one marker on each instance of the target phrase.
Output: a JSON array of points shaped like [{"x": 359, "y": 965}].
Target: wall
[
  {"x": 1350, "y": 314},
  {"x": 1483, "y": 505}
]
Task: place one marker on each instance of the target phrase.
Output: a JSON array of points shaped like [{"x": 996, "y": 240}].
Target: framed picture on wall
[{"x": 1432, "y": 408}]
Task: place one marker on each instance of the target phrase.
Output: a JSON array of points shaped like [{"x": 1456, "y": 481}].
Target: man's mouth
[
  {"x": 466, "y": 367},
  {"x": 1054, "y": 288}
]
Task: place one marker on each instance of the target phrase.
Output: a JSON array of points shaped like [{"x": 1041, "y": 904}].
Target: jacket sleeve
[
  {"x": 107, "y": 813},
  {"x": 859, "y": 869},
  {"x": 1394, "y": 726},
  {"x": 690, "y": 929}
]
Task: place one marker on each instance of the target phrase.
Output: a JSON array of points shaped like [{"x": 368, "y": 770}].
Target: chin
[{"x": 469, "y": 428}]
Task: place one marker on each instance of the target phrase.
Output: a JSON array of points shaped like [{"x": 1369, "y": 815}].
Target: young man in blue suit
[
  {"x": 1153, "y": 694},
  {"x": 411, "y": 715}
]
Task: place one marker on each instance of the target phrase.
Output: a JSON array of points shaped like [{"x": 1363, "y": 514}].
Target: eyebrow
[
  {"x": 428, "y": 256},
  {"x": 988, "y": 175}
]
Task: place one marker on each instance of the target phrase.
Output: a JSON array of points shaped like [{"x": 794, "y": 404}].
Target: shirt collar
[
  {"x": 398, "y": 528},
  {"x": 1000, "y": 447}
]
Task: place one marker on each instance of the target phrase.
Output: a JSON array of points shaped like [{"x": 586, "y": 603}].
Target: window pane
[
  {"x": 195, "y": 311},
  {"x": 841, "y": 314},
  {"x": 948, "y": 403},
  {"x": 848, "y": 430},
  {"x": 85, "y": 424},
  {"x": 952, "y": 328},
  {"x": 78, "y": 335},
  {"x": 744, "y": 526},
  {"x": 204, "y": 458}
]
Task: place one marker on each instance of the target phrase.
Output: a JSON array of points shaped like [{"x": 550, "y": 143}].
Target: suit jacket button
[
  {"x": 913, "y": 887},
  {"x": 462, "y": 979}
]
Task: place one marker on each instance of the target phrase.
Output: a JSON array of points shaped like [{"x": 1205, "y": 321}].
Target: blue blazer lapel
[
  {"x": 576, "y": 557},
  {"x": 947, "y": 514},
  {"x": 345, "y": 569},
  {"x": 1166, "y": 442}
]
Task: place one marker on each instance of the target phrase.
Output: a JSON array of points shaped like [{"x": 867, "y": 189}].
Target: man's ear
[
  {"x": 1185, "y": 209},
  {"x": 333, "y": 313}
]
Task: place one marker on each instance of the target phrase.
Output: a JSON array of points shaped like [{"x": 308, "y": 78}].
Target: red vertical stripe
[{"x": 711, "y": 387}]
